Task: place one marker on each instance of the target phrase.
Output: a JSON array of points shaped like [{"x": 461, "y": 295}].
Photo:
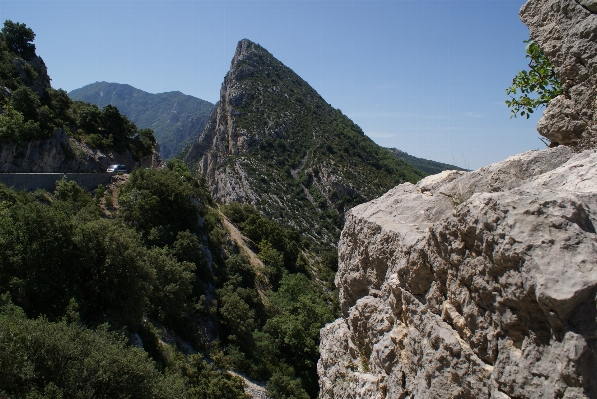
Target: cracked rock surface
[
  {"x": 471, "y": 285},
  {"x": 566, "y": 30}
]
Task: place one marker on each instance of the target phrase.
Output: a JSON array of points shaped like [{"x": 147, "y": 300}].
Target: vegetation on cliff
[
  {"x": 537, "y": 86},
  {"x": 163, "y": 266},
  {"x": 30, "y": 109}
]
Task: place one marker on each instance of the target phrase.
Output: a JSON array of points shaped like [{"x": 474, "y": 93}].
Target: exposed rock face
[
  {"x": 471, "y": 285},
  {"x": 566, "y": 30},
  {"x": 33, "y": 73},
  {"x": 222, "y": 137},
  {"x": 65, "y": 155}
]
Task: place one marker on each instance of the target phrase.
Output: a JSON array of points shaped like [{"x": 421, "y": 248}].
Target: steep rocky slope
[
  {"x": 175, "y": 118},
  {"x": 275, "y": 143},
  {"x": 471, "y": 285}
]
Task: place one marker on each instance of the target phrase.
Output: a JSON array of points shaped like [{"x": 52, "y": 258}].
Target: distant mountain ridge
[
  {"x": 175, "y": 118},
  {"x": 274, "y": 142},
  {"x": 426, "y": 165}
]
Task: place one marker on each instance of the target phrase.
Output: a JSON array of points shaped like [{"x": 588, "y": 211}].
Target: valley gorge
[{"x": 285, "y": 247}]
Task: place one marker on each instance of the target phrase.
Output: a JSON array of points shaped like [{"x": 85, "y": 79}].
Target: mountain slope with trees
[
  {"x": 426, "y": 165},
  {"x": 175, "y": 118},
  {"x": 275, "y": 143},
  {"x": 143, "y": 282},
  {"x": 35, "y": 116}
]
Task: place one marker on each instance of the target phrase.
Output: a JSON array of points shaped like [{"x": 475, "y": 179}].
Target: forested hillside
[
  {"x": 30, "y": 109},
  {"x": 175, "y": 118},
  {"x": 426, "y": 165},
  {"x": 145, "y": 288},
  {"x": 84, "y": 275}
]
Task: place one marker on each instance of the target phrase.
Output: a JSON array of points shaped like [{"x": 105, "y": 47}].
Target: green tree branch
[{"x": 537, "y": 86}]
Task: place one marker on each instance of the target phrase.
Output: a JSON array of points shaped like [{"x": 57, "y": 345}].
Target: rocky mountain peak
[
  {"x": 244, "y": 48},
  {"x": 273, "y": 142}
]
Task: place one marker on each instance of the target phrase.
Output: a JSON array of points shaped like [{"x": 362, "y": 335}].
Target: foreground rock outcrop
[{"x": 471, "y": 285}]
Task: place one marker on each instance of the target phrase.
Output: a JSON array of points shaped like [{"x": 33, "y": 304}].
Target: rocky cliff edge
[
  {"x": 64, "y": 154},
  {"x": 471, "y": 285}
]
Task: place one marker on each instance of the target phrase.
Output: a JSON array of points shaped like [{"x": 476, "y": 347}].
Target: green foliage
[
  {"x": 14, "y": 128},
  {"x": 537, "y": 86},
  {"x": 239, "y": 272},
  {"x": 25, "y": 117},
  {"x": 108, "y": 129},
  {"x": 25, "y": 101},
  {"x": 207, "y": 382},
  {"x": 179, "y": 167},
  {"x": 159, "y": 203},
  {"x": 100, "y": 191},
  {"x": 68, "y": 191},
  {"x": 115, "y": 274},
  {"x": 171, "y": 297},
  {"x": 283, "y": 345},
  {"x": 236, "y": 316},
  {"x": 61, "y": 104},
  {"x": 62, "y": 261},
  {"x": 273, "y": 262},
  {"x": 188, "y": 248},
  {"x": 267, "y": 235},
  {"x": 36, "y": 254},
  {"x": 298, "y": 311},
  {"x": 18, "y": 38},
  {"x": 41, "y": 359},
  {"x": 282, "y": 386}
]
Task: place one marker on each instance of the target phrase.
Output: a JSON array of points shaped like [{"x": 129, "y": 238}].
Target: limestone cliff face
[
  {"x": 566, "y": 31},
  {"x": 65, "y": 155},
  {"x": 222, "y": 137},
  {"x": 482, "y": 284},
  {"x": 471, "y": 285}
]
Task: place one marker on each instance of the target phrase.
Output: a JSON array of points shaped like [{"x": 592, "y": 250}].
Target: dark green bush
[{"x": 41, "y": 359}]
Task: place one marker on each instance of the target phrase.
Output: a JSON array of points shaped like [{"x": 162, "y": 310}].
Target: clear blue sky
[{"x": 427, "y": 77}]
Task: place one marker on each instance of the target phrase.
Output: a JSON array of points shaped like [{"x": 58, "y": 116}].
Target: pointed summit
[
  {"x": 243, "y": 48},
  {"x": 273, "y": 142}
]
